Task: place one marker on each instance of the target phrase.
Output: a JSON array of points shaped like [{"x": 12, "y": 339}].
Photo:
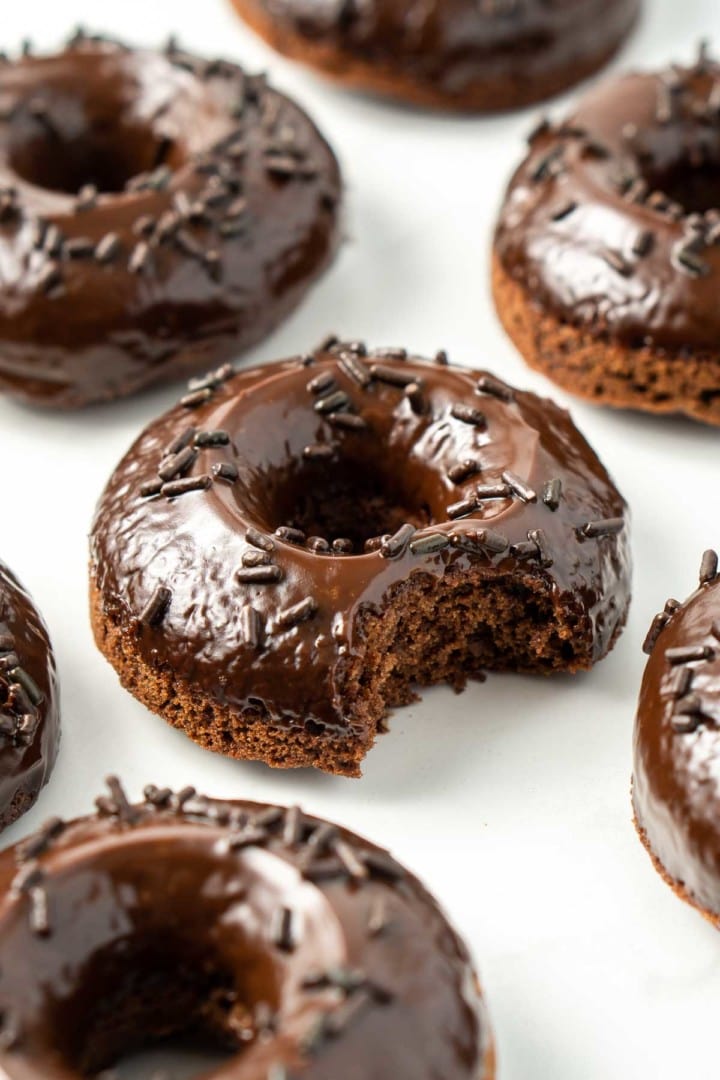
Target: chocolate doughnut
[
  {"x": 677, "y": 745},
  {"x": 302, "y": 950},
  {"x": 29, "y": 715},
  {"x": 158, "y": 214},
  {"x": 292, "y": 549},
  {"x": 607, "y": 252},
  {"x": 473, "y": 55}
]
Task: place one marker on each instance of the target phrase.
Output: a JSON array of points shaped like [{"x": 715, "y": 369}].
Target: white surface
[{"x": 512, "y": 800}]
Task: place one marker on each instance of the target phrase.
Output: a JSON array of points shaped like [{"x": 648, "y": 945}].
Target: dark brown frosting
[
  {"x": 217, "y": 208},
  {"x": 455, "y": 46},
  {"x": 29, "y": 716},
  {"x": 307, "y": 951},
  {"x": 180, "y": 569},
  {"x": 612, "y": 223},
  {"x": 677, "y": 742}
]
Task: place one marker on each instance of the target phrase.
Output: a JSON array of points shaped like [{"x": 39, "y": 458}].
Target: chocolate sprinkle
[
  {"x": 414, "y": 395},
  {"x": 468, "y": 415},
  {"x": 259, "y": 540},
  {"x": 157, "y": 606},
  {"x": 656, "y": 627},
  {"x": 107, "y": 248},
  {"x": 296, "y": 614},
  {"x": 463, "y": 470},
  {"x": 519, "y": 487},
  {"x": 552, "y": 492},
  {"x": 398, "y": 542},
  {"x": 391, "y": 375},
  {"x": 190, "y": 483},
  {"x": 289, "y": 535},
  {"x": 318, "y": 452},
  {"x": 355, "y": 370},
  {"x": 708, "y": 567},
  {"x": 177, "y": 464},
  {"x": 284, "y": 930},
  {"x": 225, "y": 470},
  {"x": 462, "y": 508},
  {"x": 429, "y": 543},
  {"x": 259, "y": 575},
  {"x": 321, "y": 383},
  {"x": 488, "y": 384},
  {"x": 603, "y": 527},
  {"x": 688, "y": 654},
  {"x": 492, "y": 491},
  {"x": 347, "y": 420},
  {"x": 332, "y": 402}
]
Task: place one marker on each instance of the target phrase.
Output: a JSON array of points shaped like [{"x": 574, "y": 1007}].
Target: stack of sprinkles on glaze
[
  {"x": 607, "y": 251},
  {"x": 286, "y": 554},
  {"x": 303, "y": 950},
  {"x": 676, "y": 780},
  {"x": 158, "y": 214}
]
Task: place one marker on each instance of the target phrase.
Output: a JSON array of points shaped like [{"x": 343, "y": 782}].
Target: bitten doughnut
[
  {"x": 607, "y": 252},
  {"x": 677, "y": 745},
  {"x": 158, "y": 214},
  {"x": 29, "y": 714},
  {"x": 302, "y": 950},
  {"x": 294, "y": 548},
  {"x": 474, "y": 55}
]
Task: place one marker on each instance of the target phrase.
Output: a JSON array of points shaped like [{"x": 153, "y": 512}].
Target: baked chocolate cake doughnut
[
  {"x": 158, "y": 214},
  {"x": 292, "y": 549},
  {"x": 677, "y": 745},
  {"x": 474, "y": 55},
  {"x": 607, "y": 253},
  {"x": 302, "y": 950},
  {"x": 29, "y": 714}
]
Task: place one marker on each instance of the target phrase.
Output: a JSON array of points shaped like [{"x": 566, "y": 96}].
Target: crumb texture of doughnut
[
  {"x": 297, "y": 948},
  {"x": 290, "y": 551},
  {"x": 159, "y": 213},
  {"x": 468, "y": 55},
  {"x": 607, "y": 251},
  {"x": 29, "y": 712},
  {"x": 676, "y": 778}
]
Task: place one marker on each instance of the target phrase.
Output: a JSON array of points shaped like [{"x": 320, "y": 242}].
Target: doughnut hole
[
  {"x": 352, "y": 499},
  {"x": 159, "y": 991},
  {"x": 69, "y": 146}
]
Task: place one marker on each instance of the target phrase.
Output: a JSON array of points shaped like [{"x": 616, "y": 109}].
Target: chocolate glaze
[
  {"x": 456, "y": 48},
  {"x": 29, "y": 716},
  {"x": 198, "y": 545},
  {"x": 349, "y": 959},
  {"x": 612, "y": 222},
  {"x": 217, "y": 209},
  {"x": 676, "y": 781}
]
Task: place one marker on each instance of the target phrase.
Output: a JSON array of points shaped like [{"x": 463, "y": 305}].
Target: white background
[{"x": 511, "y": 800}]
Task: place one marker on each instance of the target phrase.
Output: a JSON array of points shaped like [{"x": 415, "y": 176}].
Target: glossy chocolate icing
[
  {"x": 457, "y": 47},
  {"x": 317, "y": 955},
  {"x": 612, "y": 223},
  {"x": 676, "y": 782},
  {"x": 188, "y": 577},
  {"x": 29, "y": 715},
  {"x": 217, "y": 208}
]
